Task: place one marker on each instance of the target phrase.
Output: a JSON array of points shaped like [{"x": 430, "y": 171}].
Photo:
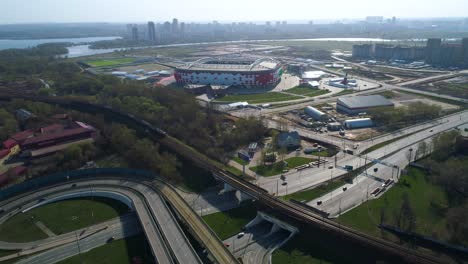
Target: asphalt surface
[
  {"x": 162, "y": 230},
  {"x": 117, "y": 231},
  {"x": 258, "y": 243},
  {"x": 339, "y": 201}
]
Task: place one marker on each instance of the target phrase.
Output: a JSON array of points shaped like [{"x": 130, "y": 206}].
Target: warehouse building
[
  {"x": 360, "y": 104},
  {"x": 315, "y": 113},
  {"x": 358, "y": 123}
]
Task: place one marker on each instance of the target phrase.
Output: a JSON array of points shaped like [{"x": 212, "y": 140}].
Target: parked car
[{"x": 241, "y": 234}]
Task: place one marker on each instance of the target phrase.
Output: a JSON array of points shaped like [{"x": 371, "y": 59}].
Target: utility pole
[{"x": 277, "y": 182}]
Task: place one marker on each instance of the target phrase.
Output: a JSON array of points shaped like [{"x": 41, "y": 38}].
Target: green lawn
[
  {"x": 344, "y": 92},
  {"x": 240, "y": 161},
  {"x": 122, "y": 251},
  {"x": 307, "y": 91},
  {"x": 259, "y": 98},
  {"x": 278, "y": 167},
  {"x": 60, "y": 217},
  {"x": 304, "y": 249},
  {"x": 228, "y": 223},
  {"x": 109, "y": 62},
  {"x": 312, "y": 194},
  {"x": 427, "y": 201}
]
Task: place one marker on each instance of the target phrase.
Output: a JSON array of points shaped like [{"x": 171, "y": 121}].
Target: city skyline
[{"x": 124, "y": 11}]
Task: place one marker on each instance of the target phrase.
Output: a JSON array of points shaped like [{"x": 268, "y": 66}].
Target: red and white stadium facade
[{"x": 242, "y": 77}]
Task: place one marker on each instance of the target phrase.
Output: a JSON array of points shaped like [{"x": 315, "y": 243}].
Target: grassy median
[
  {"x": 133, "y": 249},
  {"x": 228, "y": 223},
  {"x": 60, "y": 217}
]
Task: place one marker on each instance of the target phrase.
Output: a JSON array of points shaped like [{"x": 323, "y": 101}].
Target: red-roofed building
[
  {"x": 4, "y": 153},
  {"x": 9, "y": 143},
  {"x": 55, "y": 128},
  {"x": 60, "y": 116},
  {"x": 47, "y": 140},
  {"x": 22, "y": 136},
  {"x": 16, "y": 171}
]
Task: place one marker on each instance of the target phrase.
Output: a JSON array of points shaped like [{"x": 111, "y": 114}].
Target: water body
[
  {"x": 84, "y": 50},
  {"x": 29, "y": 43}
]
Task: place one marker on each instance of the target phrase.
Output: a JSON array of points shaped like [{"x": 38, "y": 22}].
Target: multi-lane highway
[
  {"x": 298, "y": 212},
  {"x": 167, "y": 240}
]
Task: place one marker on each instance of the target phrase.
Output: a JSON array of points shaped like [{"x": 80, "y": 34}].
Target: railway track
[{"x": 289, "y": 209}]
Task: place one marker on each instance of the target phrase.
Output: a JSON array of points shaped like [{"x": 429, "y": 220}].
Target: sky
[{"x": 39, "y": 11}]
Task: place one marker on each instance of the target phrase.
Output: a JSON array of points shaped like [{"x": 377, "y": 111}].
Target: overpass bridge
[
  {"x": 391, "y": 250},
  {"x": 147, "y": 198}
]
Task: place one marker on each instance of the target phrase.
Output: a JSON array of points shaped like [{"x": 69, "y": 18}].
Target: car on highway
[
  {"x": 226, "y": 245},
  {"x": 73, "y": 185},
  {"x": 319, "y": 202},
  {"x": 345, "y": 188},
  {"x": 430, "y": 130},
  {"x": 330, "y": 167},
  {"x": 375, "y": 191},
  {"x": 241, "y": 234},
  {"x": 110, "y": 239},
  {"x": 284, "y": 183}
]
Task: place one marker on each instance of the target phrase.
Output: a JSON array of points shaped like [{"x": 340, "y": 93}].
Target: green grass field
[
  {"x": 109, "y": 62},
  {"x": 277, "y": 167},
  {"x": 259, "y": 98},
  {"x": 228, "y": 223},
  {"x": 307, "y": 91},
  {"x": 122, "y": 251},
  {"x": 60, "y": 217},
  {"x": 427, "y": 201},
  {"x": 301, "y": 250},
  {"x": 312, "y": 194},
  {"x": 240, "y": 161}
]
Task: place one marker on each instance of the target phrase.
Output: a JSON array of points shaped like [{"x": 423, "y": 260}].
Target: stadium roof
[
  {"x": 367, "y": 101},
  {"x": 231, "y": 64}
]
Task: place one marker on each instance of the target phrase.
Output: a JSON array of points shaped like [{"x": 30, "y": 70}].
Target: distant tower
[
  {"x": 182, "y": 29},
  {"x": 393, "y": 20},
  {"x": 129, "y": 30},
  {"x": 175, "y": 26},
  {"x": 151, "y": 31},
  {"x": 135, "y": 33},
  {"x": 433, "y": 50},
  {"x": 465, "y": 51}
]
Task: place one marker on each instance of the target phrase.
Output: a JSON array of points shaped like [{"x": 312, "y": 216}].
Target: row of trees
[
  {"x": 403, "y": 116},
  {"x": 8, "y": 124}
]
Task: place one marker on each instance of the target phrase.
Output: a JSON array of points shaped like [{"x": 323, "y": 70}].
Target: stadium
[{"x": 237, "y": 71}]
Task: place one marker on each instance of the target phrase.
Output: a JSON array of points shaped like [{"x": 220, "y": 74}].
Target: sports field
[{"x": 109, "y": 62}]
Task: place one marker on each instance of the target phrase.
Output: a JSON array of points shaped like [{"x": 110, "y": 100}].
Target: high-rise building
[
  {"x": 465, "y": 51},
  {"x": 175, "y": 26},
  {"x": 151, "y": 31},
  {"x": 135, "y": 33},
  {"x": 433, "y": 50},
  {"x": 129, "y": 30}
]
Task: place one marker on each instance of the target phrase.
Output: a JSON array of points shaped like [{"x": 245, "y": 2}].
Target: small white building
[{"x": 358, "y": 123}]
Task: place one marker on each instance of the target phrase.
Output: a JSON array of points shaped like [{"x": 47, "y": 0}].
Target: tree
[
  {"x": 444, "y": 145},
  {"x": 422, "y": 148}
]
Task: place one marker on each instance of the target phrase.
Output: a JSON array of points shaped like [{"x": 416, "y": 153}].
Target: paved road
[
  {"x": 164, "y": 237},
  {"x": 211, "y": 201},
  {"x": 258, "y": 243},
  {"x": 67, "y": 237},
  {"x": 358, "y": 192},
  {"x": 308, "y": 178},
  {"x": 118, "y": 231}
]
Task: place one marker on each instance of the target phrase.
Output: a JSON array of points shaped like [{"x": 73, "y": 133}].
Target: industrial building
[
  {"x": 230, "y": 71},
  {"x": 359, "y": 104},
  {"x": 315, "y": 113},
  {"x": 358, "y": 123}
]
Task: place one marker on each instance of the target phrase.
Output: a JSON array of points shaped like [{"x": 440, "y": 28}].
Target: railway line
[{"x": 301, "y": 213}]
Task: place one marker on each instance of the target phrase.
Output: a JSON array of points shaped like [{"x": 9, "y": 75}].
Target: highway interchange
[{"x": 167, "y": 241}]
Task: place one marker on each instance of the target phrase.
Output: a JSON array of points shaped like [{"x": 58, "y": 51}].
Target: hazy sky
[{"x": 24, "y": 11}]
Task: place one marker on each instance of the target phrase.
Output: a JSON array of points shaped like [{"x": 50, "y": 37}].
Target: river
[{"x": 84, "y": 50}]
